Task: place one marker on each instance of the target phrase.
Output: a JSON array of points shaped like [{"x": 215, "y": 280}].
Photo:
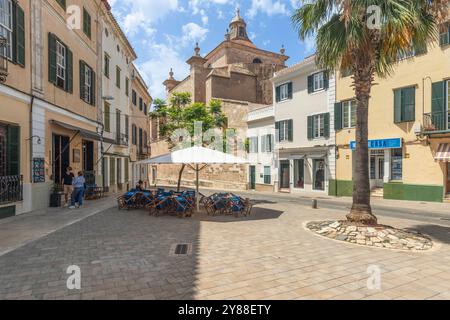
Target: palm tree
[{"x": 347, "y": 38}]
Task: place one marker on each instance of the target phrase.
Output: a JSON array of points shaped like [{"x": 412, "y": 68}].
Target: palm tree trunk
[
  {"x": 180, "y": 175},
  {"x": 361, "y": 211}
]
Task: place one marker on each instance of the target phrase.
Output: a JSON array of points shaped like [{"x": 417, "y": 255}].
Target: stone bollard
[{"x": 315, "y": 204}]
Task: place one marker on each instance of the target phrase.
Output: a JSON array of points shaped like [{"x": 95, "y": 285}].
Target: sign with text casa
[{"x": 381, "y": 144}]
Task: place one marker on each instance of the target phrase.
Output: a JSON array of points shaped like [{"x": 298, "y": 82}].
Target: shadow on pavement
[{"x": 436, "y": 232}]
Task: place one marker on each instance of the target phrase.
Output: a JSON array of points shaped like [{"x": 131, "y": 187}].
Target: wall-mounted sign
[
  {"x": 76, "y": 155},
  {"x": 381, "y": 144},
  {"x": 38, "y": 170}
]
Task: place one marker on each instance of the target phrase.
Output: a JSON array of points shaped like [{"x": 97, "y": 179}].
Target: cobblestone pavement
[{"x": 128, "y": 255}]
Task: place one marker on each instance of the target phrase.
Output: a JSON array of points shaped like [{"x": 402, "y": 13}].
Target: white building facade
[
  {"x": 261, "y": 144},
  {"x": 117, "y": 59},
  {"x": 304, "y": 122}
]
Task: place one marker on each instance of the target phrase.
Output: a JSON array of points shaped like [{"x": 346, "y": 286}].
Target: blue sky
[{"x": 164, "y": 32}]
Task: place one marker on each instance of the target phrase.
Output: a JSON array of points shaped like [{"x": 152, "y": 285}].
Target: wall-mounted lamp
[{"x": 38, "y": 141}]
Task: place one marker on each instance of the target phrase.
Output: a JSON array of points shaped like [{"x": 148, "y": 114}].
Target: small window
[
  {"x": 134, "y": 97},
  {"x": 106, "y": 65},
  {"x": 241, "y": 32},
  {"x": 107, "y": 124},
  {"x": 405, "y": 105},
  {"x": 319, "y": 126},
  {"x": 284, "y": 128},
  {"x": 118, "y": 77},
  {"x": 444, "y": 34},
  {"x": 284, "y": 92},
  {"x": 319, "y": 83},
  {"x": 253, "y": 145},
  {"x": 349, "y": 114},
  {"x": 397, "y": 164},
  {"x": 141, "y": 104},
  {"x": 267, "y": 143},
  {"x": 145, "y": 108},
  {"x": 257, "y": 60},
  {"x": 87, "y": 88},
  {"x": 61, "y": 71},
  {"x": 127, "y": 86},
  {"x": 6, "y": 27}
]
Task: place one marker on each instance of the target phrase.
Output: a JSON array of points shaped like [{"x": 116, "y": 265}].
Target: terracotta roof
[{"x": 296, "y": 66}]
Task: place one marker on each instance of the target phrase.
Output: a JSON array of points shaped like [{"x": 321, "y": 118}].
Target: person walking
[
  {"x": 66, "y": 181},
  {"x": 78, "y": 191}
]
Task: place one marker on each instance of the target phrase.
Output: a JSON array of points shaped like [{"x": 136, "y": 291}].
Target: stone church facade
[{"x": 237, "y": 73}]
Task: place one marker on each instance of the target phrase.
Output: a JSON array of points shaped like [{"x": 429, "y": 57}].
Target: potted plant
[{"x": 56, "y": 196}]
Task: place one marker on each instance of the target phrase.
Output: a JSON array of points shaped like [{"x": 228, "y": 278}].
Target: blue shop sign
[{"x": 381, "y": 144}]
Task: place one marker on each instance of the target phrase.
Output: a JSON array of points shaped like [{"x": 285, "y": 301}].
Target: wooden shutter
[
  {"x": 82, "y": 79},
  {"x": 398, "y": 106},
  {"x": 69, "y": 70},
  {"x": 326, "y": 118},
  {"x": 290, "y": 90},
  {"x": 291, "y": 130},
  {"x": 438, "y": 104},
  {"x": 13, "y": 150},
  {"x": 52, "y": 58},
  {"x": 86, "y": 23},
  {"x": 93, "y": 88},
  {"x": 310, "y": 127},
  {"x": 278, "y": 93},
  {"x": 127, "y": 173},
  {"x": 338, "y": 125},
  {"x": 19, "y": 30},
  {"x": 310, "y": 83}
]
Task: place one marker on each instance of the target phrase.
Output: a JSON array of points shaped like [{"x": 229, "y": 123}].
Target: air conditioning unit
[{"x": 417, "y": 128}]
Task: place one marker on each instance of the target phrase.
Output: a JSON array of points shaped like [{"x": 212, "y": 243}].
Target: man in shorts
[{"x": 67, "y": 183}]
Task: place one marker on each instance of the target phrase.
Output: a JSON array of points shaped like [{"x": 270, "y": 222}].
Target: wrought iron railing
[
  {"x": 436, "y": 121},
  {"x": 3, "y": 59},
  {"x": 11, "y": 189}
]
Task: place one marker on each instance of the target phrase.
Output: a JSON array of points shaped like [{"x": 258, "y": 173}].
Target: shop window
[
  {"x": 397, "y": 164},
  {"x": 319, "y": 174},
  {"x": 299, "y": 173}
]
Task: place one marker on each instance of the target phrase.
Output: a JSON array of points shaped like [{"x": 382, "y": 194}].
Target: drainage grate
[{"x": 181, "y": 249}]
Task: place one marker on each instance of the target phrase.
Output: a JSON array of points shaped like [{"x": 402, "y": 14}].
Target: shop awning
[
  {"x": 443, "y": 152},
  {"x": 83, "y": 132}
]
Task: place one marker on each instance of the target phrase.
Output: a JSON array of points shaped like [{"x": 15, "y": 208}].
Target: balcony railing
[
  {"x": 436, "y": 121},
  {"x": 3, "y": 60},
  {"x": 11, "y": 189}
]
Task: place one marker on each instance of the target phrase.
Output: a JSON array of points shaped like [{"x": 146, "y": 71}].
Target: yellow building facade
[
  {"x": 409, "y": 128},
  {"x": 15, "y": 101}
]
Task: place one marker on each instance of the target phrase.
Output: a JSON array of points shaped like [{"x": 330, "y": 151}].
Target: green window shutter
[
  {"x": 338, "y": 125},
  {"x": 397, "y": 106},
  {"x": 127, "y": 86},
  {"x": 82, "y": 79},
  {"x": 278, "y": 94},
  {"x": 326, "y": 79},
  {"x": 86, "y": 23},
  {"x": 62, "y": 3},
  {"x": 69, "y": 81},
  {"x": 310, "y": 127},
  {"x": 13, "y": 150},
  {"x": 93, "y": 88},
  {"x": 326, "y": 125},
  {"x": 438, "y": 105},
  {"x": 107, "y": 118},
  {"x": 20, "y": 36},
  {"x": 310, "y": 83},
  {"x": 118, "y": 77},
  {"x": 409, "y": 104},
  {"x": 52, "y": 58},
  {"x": 291, "y": 130},
  {"x": 290, "y": 90},
  {"x": 444, "y": 38}
]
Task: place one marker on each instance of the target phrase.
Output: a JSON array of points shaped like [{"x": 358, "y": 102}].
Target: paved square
[{"x": 129, "y": 255}]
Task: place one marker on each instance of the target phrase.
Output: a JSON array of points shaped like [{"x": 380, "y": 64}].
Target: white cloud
[
  {"x": 269, "y": 7},
  {"x": 192, "y": 32}
]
